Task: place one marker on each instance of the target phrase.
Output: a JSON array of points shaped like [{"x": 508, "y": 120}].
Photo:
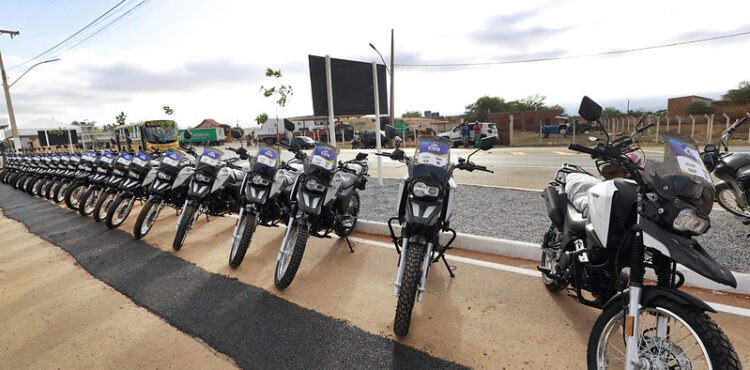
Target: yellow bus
[{"x": 147, "y": 135}]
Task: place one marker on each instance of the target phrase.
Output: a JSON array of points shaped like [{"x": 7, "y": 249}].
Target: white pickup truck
[{"x": 454, "y": 135}]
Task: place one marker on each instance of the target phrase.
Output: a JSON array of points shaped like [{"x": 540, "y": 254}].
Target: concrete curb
[{"x": 531, "y": 251}]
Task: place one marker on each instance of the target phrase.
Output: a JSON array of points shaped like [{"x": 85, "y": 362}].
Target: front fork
[
  {"x": 426, "y": 261},
  {"x": 632, "y": 330},
  {"x": 182, "y": 215}
]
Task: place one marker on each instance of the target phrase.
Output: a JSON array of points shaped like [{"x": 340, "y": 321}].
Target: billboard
[
  {"x": 57, "y": 139},
  {"x": 352, "y": 87}
]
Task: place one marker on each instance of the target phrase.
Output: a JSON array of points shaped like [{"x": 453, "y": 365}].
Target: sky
[{"x": 206, "y": 59}]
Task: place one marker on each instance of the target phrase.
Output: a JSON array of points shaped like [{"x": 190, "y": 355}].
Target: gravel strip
[{"x": 522, "y": 215}]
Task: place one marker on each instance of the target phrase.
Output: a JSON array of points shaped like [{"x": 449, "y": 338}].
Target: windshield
[
  {"x": 432, "y": 158},
  {"x": 172, "y": 158},
  {"x": 681, "y": 174},
  {"x": 158, "y": 135},
  {"x": 267, "y": 156},
  {"x": 324, "y": 157}
]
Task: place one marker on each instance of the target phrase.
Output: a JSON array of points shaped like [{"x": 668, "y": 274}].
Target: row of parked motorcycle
[{"x": 604, "y": 234}]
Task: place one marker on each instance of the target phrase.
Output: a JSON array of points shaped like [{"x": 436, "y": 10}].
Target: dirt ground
[{"x": 53, "y": 314}]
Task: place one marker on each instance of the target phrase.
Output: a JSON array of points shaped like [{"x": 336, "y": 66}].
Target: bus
[{"x": 148, "y": 135}]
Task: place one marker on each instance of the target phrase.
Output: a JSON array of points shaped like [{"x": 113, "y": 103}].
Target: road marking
[
  {"x": 517, "y": 153},
  {"x": 519, "y": 270},
  {"x": 562, "y": 153}
]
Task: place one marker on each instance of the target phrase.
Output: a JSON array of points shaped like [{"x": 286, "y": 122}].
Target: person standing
[
  {"x": 477, "y": 133},
  {"x": 465, "y": 134}
]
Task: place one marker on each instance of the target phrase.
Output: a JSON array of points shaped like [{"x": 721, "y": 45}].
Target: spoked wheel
[
  {"x": 50, "y": 194},
  {"x": 407, "y": 293},
  {"x": 350, "y": 217},
  {"x": 88, "y": 201},
  {"x": 20, "y": 182},
  {"x": 73, "y": 196},
  {"x": 60, "y": 191},
  {"x": 672, "y": 336},
  {"x": 36, "y": 190},
  {"x": 146, "y": 218},
  {"x": 290, "y": 255},
  {"x": 102, "y": 206},
  {"x": 728, "y": 200},
  {"x": 244, "y": 234},
  {"x": 550, "y": 254},
  {"x": 29, "y": 187},
  {"x": 118, "y": 211},
  {"x": 188, "y": 214}
]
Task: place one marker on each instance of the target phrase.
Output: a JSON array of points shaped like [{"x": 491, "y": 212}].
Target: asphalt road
[{"x": 338, "y": 312}]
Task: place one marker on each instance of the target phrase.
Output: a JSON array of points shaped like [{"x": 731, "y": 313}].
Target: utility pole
[
  {"x": 12, "y": 116},
  {"x": 393, "y": 71}
]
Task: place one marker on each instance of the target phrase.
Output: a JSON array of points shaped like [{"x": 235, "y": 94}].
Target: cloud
[
  {"x": 508, "y": 30},
  {"x": 123, "y": 77},
  {"x": 705, "y": 33}
]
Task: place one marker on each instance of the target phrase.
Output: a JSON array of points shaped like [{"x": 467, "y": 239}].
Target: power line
[
  {"x": 605, "y": 53},
  {"x": 71, "y": 36},
  {"x": 21, "y": 28},
  {"x": 105, "y": 27}
]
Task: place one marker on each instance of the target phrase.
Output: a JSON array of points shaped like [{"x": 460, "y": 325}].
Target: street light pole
[
  {"x": 12, "y": 116},
  {"x": 391, "y": 111}
]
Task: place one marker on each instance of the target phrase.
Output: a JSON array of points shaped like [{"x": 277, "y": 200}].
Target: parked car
[
  {"x": 304, "y": 142},
  {"x": 367, "y": 139},
  {"x": 566, "y": 127},
  {"x": 454, "y": 135}
]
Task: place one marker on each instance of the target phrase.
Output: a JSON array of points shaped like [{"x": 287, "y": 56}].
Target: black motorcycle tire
[
  {"x": 733, "y": 209},
  {"x": 407, "y": 294},
  {"x": 138, "y": 227},
  {"x": 29, "y": 186},
  {"x": 99, "y": 205},
  {"x": 50, "y": 189},
  {"x": 720, "y": 350},
  {"x": 248, "y": 223},
  {"x": 110, "y": 220},
  {"x": 20, "y": 181},
  {"x": 59, "y": 189},
  {"x": 282, "y": 282},
  {"x": 187, "y": 217},
  {"x": 69, "y": 196},
  {"x": 85, "y": 198}
]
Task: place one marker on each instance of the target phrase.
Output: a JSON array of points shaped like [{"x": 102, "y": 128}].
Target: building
[
  {"x": 28, "y": 132},
  {"x": 678, "y": 106},
  {"x": 210, "y": 123},
  {"x": 93, "y": 139},
  {"x": 525, "y": 120}
]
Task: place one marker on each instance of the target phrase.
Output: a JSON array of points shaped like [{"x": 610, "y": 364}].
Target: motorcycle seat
[
  {"x": 347, "y": 179},
  {"x": 577, "y": 186}
]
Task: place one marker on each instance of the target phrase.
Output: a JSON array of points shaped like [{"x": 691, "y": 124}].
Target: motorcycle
[
  {"x": 169, "y": 188},
  {"x": 324, "y": 199},
  {"x": 80, "y": 184},
  {"x": 213, "y": 190},
  {"x": 111, "y": 188},
  {"x": 97, "y": 183},
  {"x": 599, "y": 228},
  {"x": 733, "y": 193},
  {"x": 69, "y": 163},
  {"x": 264, "y": 198},
  {"x": 425, "y": 204},
  {"x": 140, "y": 174}
]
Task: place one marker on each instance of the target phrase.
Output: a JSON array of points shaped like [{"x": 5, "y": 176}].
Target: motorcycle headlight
[
  {"x": 259, "y": 180},
  {"x": 201, "y": 177},
  {"x": 163, "y": 176},
  {"x": 688, "y": 220},
  {"x": 422, "y": 190},
  {"x": 314, "y": 185}
]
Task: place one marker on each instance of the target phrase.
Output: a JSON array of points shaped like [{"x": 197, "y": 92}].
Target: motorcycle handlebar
[
  {"x": 644, "y": 128},
  {"x": 581, "y": 148}
]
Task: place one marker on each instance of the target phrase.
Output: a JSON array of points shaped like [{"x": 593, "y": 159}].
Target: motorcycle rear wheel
[
  {"x": 728, "y": 200},
  {"x": 407, "y": 293}
]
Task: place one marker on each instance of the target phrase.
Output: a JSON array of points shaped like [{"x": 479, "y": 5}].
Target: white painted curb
[{"x": 531, "y": 251}]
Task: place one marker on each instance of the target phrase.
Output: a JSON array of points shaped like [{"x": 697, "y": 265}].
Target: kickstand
[
  {"x": 206, "y": 216},
  {"x": 450, "y": 270},
  {"x": 349, "y": 243}
]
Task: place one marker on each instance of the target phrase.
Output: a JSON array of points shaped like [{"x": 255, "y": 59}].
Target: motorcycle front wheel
[
  {"x": 727, "y": 199},
  {"x": 87, "y": 204},
  {"x": 60, "y": 191},
  {"x": 118, "y": 211},
  {"x": 291, "y": 255},
  {"x": 246, "y": 228},
  {"x": 73, "y": 196},
  {"x": 407, "y": 293},
  {"x": 146, "y": 219},
  {"x": 672, "y": 336},
  {"x": 187, "y": 218},
  {"x": 102, "y": 206}
]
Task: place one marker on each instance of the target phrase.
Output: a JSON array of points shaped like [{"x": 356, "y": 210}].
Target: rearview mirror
[
  {"x": 593, "y": 139},
  {"x": 589, "y": 109},
  {"x": 187, "y": 135},
  {"x": 236, "y": 133},
  {"x": 288, "y": 125},
  {"x": 390, "y": 131},
  {"x": 360, "y": 156},
  {"x": 488, "y": 142}
]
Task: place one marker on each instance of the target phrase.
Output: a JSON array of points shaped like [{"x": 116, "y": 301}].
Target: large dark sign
[
  {"x": 352, "y": 87},
  {"x": 57, "y": 139}
]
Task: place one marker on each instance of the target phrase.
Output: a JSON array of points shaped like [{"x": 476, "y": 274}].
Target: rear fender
[{"x": 650, "y": 293}]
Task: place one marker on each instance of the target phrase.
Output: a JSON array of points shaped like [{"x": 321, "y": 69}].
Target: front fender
[{"x": 650, "y": 293}]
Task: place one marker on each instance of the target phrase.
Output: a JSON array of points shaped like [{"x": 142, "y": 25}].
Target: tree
[
  {"x": 281, "y": 93},
  {"x": 477, "y": 111},
  {"x": 610, "y": 112},
  {"x": 120, "y": 118},
  {"x": 167, "y": 110},
  {"x": 697, "y": 107},
  {"x": 411, "y": 114},
  {"x": 532, "y": 102},
  {"x": 740, "y": 95}
]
